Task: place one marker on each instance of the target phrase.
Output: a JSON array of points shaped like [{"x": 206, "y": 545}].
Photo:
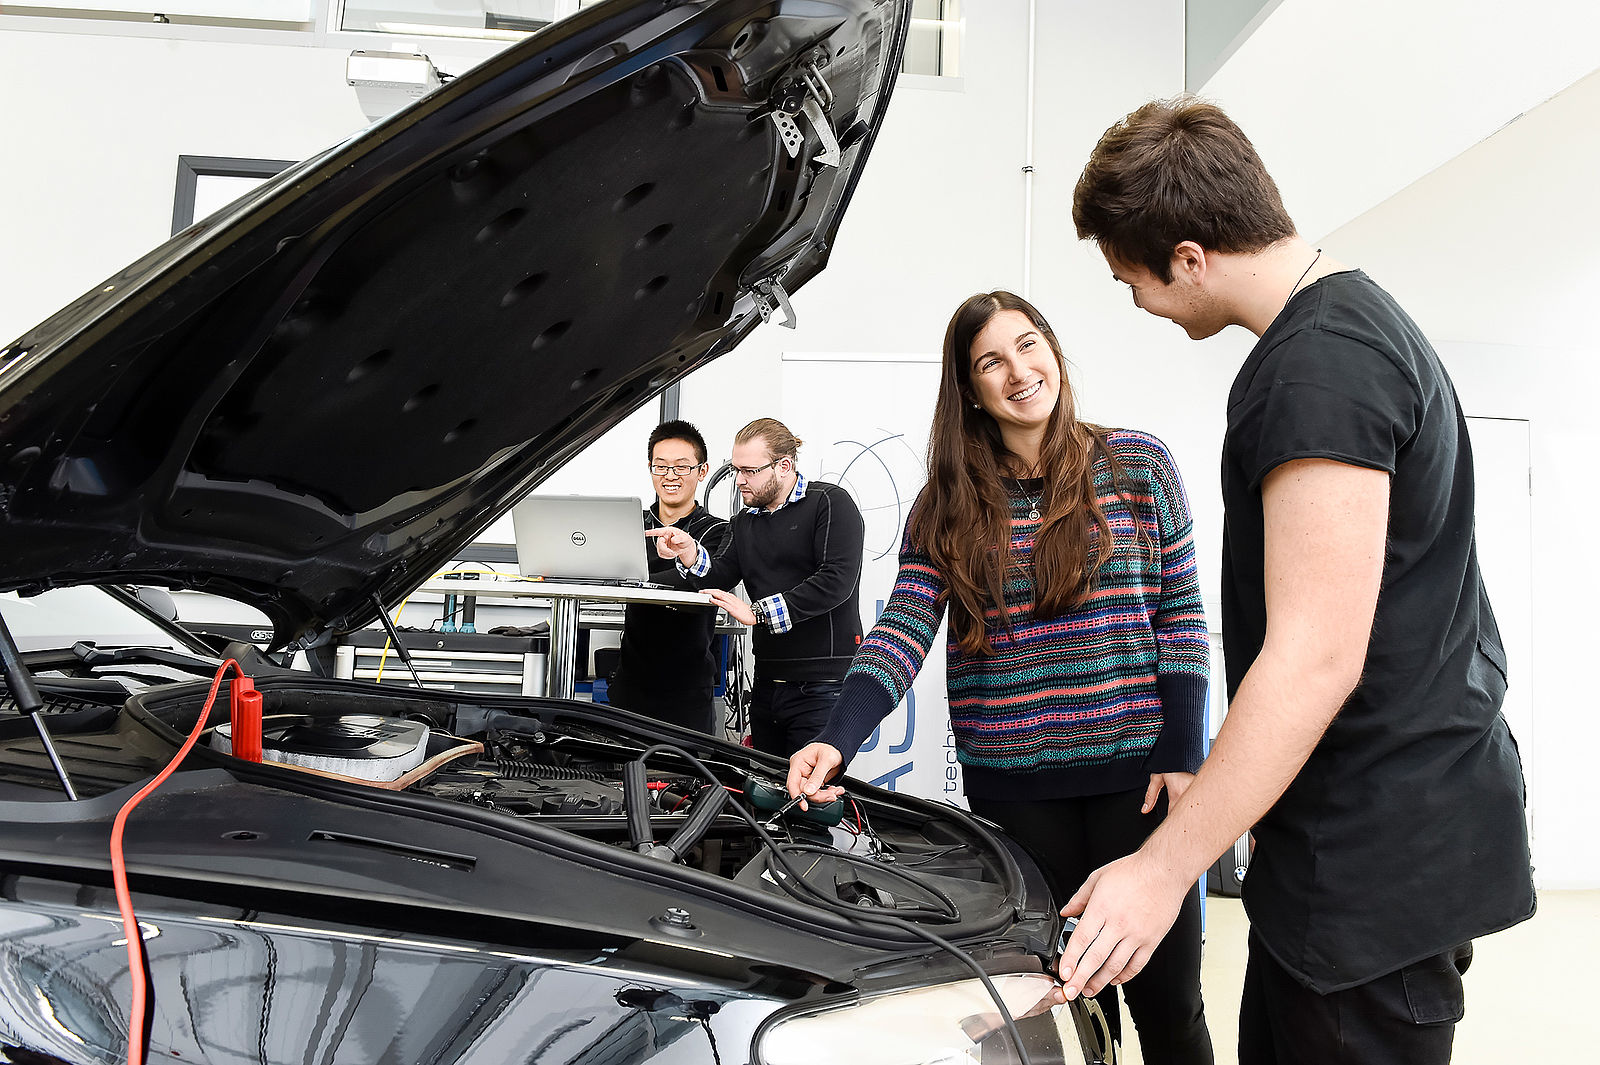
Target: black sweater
[
  {"x": 809, "y": 552},
  {"x": 666, "y": 653}
]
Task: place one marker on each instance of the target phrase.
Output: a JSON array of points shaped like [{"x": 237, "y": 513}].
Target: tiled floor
[{"x": 1533, "y": 992}]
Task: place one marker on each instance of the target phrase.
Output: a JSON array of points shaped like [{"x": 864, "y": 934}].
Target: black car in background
[{"x": 309, "y": 403}]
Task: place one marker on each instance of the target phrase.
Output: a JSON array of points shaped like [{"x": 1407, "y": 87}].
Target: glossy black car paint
[
  {"x": 308, "y": 403},
  {"x": 453, "y": 303},
  {"x": 466, "y": 921}
]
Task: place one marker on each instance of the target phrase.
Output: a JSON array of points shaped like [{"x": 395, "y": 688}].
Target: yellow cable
[{"x": 388, "y": 640}]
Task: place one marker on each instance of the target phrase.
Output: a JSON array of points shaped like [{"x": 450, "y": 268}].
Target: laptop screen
[{"x": 580, "y": 538}]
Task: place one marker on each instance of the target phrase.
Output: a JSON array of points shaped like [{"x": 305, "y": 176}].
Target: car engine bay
[{"x": 575, "y": 768}]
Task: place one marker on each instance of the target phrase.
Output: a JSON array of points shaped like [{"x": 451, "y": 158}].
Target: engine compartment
[{"x": 590, "y": 771}]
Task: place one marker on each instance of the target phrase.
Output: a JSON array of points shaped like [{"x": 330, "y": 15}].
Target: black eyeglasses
[
  {"x": 661, "y": 469},
  {"x": 751, "y": 471}
]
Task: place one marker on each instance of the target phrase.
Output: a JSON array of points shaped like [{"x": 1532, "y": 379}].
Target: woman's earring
[{"x": 977, "y": 406}]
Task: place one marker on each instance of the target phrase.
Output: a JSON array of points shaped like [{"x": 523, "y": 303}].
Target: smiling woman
[
  {"x": 1016, "y": 377},
  {"x": 1078, "y": 657}
]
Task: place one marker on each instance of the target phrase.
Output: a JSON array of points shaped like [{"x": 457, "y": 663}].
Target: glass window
[
  {"x": 934, "y": 44},
  {"x": 262, "y": 14},
  {"x": 488, "y": 19}
]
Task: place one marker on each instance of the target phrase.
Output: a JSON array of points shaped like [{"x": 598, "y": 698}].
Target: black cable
[
  {"x": 949, "y": 914},
  {"x": 794, "y": 884},
  {"x": 716, "y": 1058},
  {"x": 929, "y": 856},
  {"x": 866, "y": 822}
]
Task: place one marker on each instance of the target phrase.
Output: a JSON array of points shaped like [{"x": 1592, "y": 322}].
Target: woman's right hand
[{"x": 809, "y": 769}]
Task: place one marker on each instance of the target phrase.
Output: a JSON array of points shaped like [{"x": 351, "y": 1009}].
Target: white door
[{"x": 1505, "y": 548}]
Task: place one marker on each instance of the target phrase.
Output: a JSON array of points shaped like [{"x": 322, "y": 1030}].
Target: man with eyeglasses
[
  {"x": 797, "y": 546},
  {"x": 667, "y": 668}
]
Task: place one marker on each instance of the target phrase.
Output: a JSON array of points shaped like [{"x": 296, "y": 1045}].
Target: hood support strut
[
  {"x": 23, "y": 690},
  {"x": 394, "y": 637}
]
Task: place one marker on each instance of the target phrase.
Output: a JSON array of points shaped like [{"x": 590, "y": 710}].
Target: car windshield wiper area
[
  {"x": 99, "y": 657},
  {"x": 65, "y": 694}
]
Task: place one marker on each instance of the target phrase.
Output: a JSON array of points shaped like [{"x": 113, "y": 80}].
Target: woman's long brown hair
[{"x": 964, "y": 518}]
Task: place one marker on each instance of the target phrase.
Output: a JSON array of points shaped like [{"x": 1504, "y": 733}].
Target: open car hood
[{"x": 318, "y": 395}]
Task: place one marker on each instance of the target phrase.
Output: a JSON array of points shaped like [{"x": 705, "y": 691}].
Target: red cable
[{"x": 119, "y": 875}]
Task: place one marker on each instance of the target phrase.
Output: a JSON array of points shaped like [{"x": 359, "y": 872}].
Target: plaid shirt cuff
[
  {"x": 702, "y": 565},
  {"x": 772, "y": 611}
]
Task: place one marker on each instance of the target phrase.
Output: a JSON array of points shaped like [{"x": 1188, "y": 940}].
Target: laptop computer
[{"x": 581, "y": 539}]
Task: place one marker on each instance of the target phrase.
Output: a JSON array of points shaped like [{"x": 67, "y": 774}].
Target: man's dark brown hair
[{"x": 1177, "y": 170}]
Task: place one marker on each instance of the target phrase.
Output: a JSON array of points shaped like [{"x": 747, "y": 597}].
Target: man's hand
[
  {"x": 675, "y": 543},
  {"x": 1323, "y": 567},
  {"x": 809, "y": 769},
  {"x": 737, "y": 608},
  {"x": 1175, "y": 783},
  {"x": 1123, "y": 909}
]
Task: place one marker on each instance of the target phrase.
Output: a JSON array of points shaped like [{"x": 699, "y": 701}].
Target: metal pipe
[{"x": 1027, "y": 156}]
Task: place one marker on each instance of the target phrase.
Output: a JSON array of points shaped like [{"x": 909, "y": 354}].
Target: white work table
[{"x": 560, "y": 672}]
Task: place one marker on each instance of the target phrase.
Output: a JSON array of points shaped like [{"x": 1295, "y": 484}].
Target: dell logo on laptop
[{"x": 579, "y": 538}]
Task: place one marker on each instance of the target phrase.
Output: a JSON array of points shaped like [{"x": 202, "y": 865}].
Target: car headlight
[{"x": 946, "y": 1024}]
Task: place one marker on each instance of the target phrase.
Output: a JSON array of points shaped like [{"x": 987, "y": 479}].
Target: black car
[{"x": 309, "y": 403}]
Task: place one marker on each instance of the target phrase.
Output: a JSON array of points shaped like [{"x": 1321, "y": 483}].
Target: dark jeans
[
  {"x": 692, "y": 710},
  {"x": 787, "y": 715},
  {"x": 1071, "y": 839},
  {"x": 1407, "y": 1017}
]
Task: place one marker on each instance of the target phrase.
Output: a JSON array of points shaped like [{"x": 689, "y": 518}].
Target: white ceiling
[{"x": 1349, "y": 103}]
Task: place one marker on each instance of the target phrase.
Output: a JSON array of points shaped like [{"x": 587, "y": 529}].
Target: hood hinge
[
  {"x": 770, "y": 296},
  {"x": 807, "y": 94}
]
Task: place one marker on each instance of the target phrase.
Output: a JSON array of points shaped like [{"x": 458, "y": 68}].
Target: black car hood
[{"x": 318, "y": 395}]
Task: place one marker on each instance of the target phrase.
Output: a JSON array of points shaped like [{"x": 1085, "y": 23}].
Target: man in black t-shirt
[
  {"x": 797, "y": 546},
  {"x": 667, "y": 669},
  {"x": 1364, "y": 741}
]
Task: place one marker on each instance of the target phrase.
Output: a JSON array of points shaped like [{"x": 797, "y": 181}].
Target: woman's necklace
[{"x": 1033, "y": 504}]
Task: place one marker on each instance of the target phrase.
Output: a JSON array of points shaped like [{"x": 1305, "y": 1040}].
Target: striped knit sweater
[{"x": 1085, "y": 704}]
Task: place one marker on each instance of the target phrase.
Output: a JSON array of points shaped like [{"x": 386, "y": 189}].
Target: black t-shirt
[
  {"x": 1403, "y": 834},
  {"x": 666, "y": 654}
]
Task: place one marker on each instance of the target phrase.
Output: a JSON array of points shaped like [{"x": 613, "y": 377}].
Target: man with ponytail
[{"x": 797, "y": 546}]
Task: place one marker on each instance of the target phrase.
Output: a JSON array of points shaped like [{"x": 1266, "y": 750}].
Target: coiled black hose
[{"x": 521, "y": 769}]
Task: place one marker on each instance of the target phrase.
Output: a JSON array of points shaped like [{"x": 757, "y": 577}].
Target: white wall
[
  {"x": 1452, "y": 156},
  {"x": 1488, "y": 249},
  {"x": 939, "y": 216},
  {"x": 1349, "y": 103},
  {"x": 1493, "y": 255},
  {"x": 91, "y": 159}
]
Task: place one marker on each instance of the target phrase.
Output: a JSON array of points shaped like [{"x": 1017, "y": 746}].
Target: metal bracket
[
  {"x": 789, "y": 131},
  {"x": 816, "y": 98},
  {"x": 830, "y": 144},
  {"x": 770, "y": 296}
]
